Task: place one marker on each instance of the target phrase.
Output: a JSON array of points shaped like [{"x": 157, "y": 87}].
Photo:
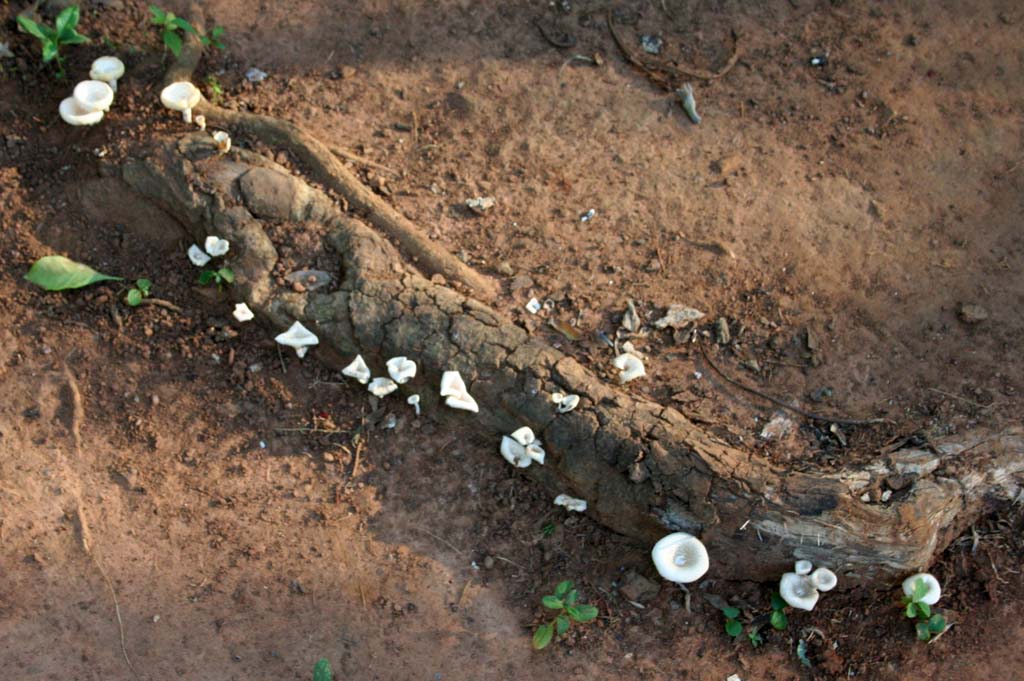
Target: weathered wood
[{"x": 754, "y": 518}]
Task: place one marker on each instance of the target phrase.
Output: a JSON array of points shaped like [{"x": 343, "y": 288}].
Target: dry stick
[
  {"x": 452, "y": 546},
  {"x": 962, "y": 399},
  {"x": 776, "y": 401},
  {"x": 359, "y": 160},
  {"x": 325, "y": 168},
  {"x": 160, "y": 302}
]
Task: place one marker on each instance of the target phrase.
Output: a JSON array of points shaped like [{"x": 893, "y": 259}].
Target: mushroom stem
[
  {"x": 113, "y": 84},
  {"x": 186, "y": 115}
]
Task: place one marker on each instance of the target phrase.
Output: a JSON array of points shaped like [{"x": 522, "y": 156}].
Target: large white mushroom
[
  {"x": 456, "y": 395},
  {"x": 514, "y": 453},
  {"x": 242, "y": 313},
  {"x": 680, "y": 557},
  {"x": 216, "y": 246},
  {"x": 401, "y": 369},
  {"x": 932, "y": 595},
  {"x": 93, "y": 95},
  {"x": 358, "y": 370},
  {"x": 824, "y": 579},
  {"x": 571, "y": 503},
  {"x": 181, "y": 96},
  {"x": 522, "y": 448},
  {"x": 73, "y": 113},
  {"x": 630, "y": 367},
  {"x": 382, "y": 386},
  {"x": 299, "y": 337},
  {"x": 108, "y": 70},
  {"x": 798, "y": 591},
  {"x": 198, "y": 257}
]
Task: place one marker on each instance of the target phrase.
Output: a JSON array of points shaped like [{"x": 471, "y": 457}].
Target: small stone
[
  {"x": 678, "y": 316},
  {"x": 722, "y": 331},
  {"x": 651, "y": 44},
  {"x": 480, "y": 204},
  {"x": 505, "y": 268},
  {"x": 521, "y": 282},
  {"x": 255, "y": 75},
  {"x": 488, "y": 562},
  {"x": 779, "y": 427},
  {"x": 972, "y": 314}
]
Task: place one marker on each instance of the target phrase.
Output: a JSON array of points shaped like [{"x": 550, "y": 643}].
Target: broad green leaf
[
  {"x": 570, "y": 599},
  {"x": 227, "y": 274},
  {"x": 217, "y": 32},
  {"x": 552, "y": 603},
  {"x": 733, "y": 628},
  {"x": 173, "y": 42},
  {"x": 563, "y": 588},
  {"x": 49, "y": 51},
  {"x": 134, "y": 297},
  {"x": 777, "y": 602},
  {"x": 75, "y": 38},
  {"x": 924, "y": 609},
  {"x": 183, "y": 25},
  {"x": 937, "y": 624},
  {"x": 144, "y": 285},
  {"x": 562, "y": 624},
  {"x": 31, "y": 27},
  {"x": 779, "y": 620},
  {"x": 582, "y": 613},
  {"x": 542, "y": 637},
  {"x": 67, "y": 20},
  {"x": 57, "y": 273},
  {"x": 322, "y": 671},
  {"x": 801, "y": 653},
  {"x": 911, "y": 610},
  {"x": 206, "y": 276},
  {"x": 923, "y": 633},
  {"x": 920, "y": 589},
  {"x": 731, "y": 612},
  {"x": 159, "y": 16}
]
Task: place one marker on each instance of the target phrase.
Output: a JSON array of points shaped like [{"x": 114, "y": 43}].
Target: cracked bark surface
[{"x": 755, "y": 519}]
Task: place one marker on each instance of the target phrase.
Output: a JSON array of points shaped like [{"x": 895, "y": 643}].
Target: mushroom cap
[
  {"x": 242, "y": 312},
  {"x": 535, "y": 451},
  {"x": 412, "y": 399},
  {"x": 523, "y": 436},
  {"x": 358, "y": 370},
  {"x": 452, "y": 384},
  {"x": 216, "y": 246},
  {"x": 180, "y": 96},
  {"x": 798, "y": 591},
  {"x": 401, "y": 369},
  {"x": 568, "y": 403},
  {"x": 931, "y": 597},
  {"x": 222, "y": 139},
  {"x": 197, "y": 255},
  {"x": 824, "y": 579},
  {"x": 630, "y": 367},
  {"x": 514, "y": 453},
  {"x": 571, "y": 503},
  {"x": 464, "y": 401},
  {"x": 382, "y": 386},
  {"x": 74, "y": 114},
  {"x": 803, "y": 567},
  {"x": 299, "y": 337},
  {"x": 680, "y": 557},
  {"x": 93, "y": 95},
  {"x": 107, "y": 69}
]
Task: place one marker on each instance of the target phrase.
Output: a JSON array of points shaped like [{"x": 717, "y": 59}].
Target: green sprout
[
  {"x": 171, "y": 25},
  {"x": 322, "y": 671},
  {"x": 547, "y": 530},
  {"x": 62, "y": 33},
  {"x": 220, "y": 277},
  {"x": 928, "y": 624},
  {"x": 778, "y": 620},
  {"x": 138, "y": 292},
  {"x": 564, "y": 600},
  {"x": 216, "y": 89}
]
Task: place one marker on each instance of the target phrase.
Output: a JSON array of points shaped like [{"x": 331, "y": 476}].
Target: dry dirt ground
[{"x": 177, "y": 496}]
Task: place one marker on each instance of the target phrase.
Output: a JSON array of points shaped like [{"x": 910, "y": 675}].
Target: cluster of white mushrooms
[
  {"x": 802, "y": 587},
  {"x": 183, "y": 96},
  {"x": 91, "y": 99}
]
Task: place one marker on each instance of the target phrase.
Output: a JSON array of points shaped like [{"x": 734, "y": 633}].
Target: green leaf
[
  {"x": 134, "y": 297},
  {"x": 322, "y": 671},
  {"x": 173, "y": 42},
  {"x": 911, "y": 610},
  {"x": 755, "y": 638},
  {"x": 779, "y": 620},
  {"x": 206, "y": 276},
  {"x": 542, "y": 637},
  {"x": 159, "y": 16},
  {"x": 57, "y": 273},
  {"x": 582, "y": 613},
  {"x": 937, "y": 624},
  {"x": 731, "y": 612},
  {"x": 183, "y": 25},
  {"x": 923, "y": 609},
  {"x": 67, "y": 20},
  {"x": 552, "y": 603},
  {"x": 49, "y": 51},
  {"x": 920, "y": 589},
  {"x": 923, "y": 632},
  {"x": 563, "y": 588},
  {"x": 570, "y": 599},
  {"x": 562, "y": 624},
  {"x": 31, "y": 27},
  {"x": 733, "y": 628},
  {"x": 75, "y": 38},
  {"x": 217, "y": 32},
  {"x": 801, "y": 653},
  {"x": 227, "y": 274},
  {"x": 777, "y": 602},
  {"x": 144, "y": 285}
]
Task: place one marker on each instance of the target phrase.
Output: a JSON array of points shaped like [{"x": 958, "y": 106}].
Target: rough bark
[{"x": 754, "y": 518}]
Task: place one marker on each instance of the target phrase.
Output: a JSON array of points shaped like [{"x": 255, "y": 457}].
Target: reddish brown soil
[{"x": 864, "y": 202}]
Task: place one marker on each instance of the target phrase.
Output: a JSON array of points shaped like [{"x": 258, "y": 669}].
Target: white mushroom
[
  {"x": 557, "y": 398},
  {"x": 569, "y": 403},
  {"x": 630, "y": 367},
  {"x": 680, "y": 557},
  {"x": 222, "y": 139},
  {"x": 242, "y": 313},
  {"x": 523, "y": 436},
  {"x": 514, "y": 453},
  {"x": 108, "y": 70},
  {"x": 824, "y": 579},
  {"x": 401, "y": 369},
  {"x": 535, "y": 451},
  {"x": 93, "y": 95},
  {"x": 73, "y": 113},
  {"x": 181, "y": 96},
  {"x": 198, "y": 257},
  {"x": 382, "y": 386},
  {"x": 299, "y": 337},
  {"x": 454, "y": 389},
  {"x": 358, "y": 370},
  {"x": 216, "y": 246},
  {"x": 414, "y": 400},
  {"x": 571, "y": 503},
  {"x": 932, "y": 595},
  {"x": 201, "y": 122},
  {"x": 803, "y": 567},
  {"x": 798, "y": 591},
  {"x": 464, "y": 402}
]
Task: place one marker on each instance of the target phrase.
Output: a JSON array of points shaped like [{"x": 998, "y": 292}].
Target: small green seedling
[
  {"x": 547, "y": 530},
  {"x": 220, "y": 277},
  {"x": 778, "y": 619},
  {"x": 801, "y": 654},
  {"x": 57, "y": 273},
  {"x": 216, "y": 89},
  {"x": 732, "y": 623},
  {"x": 62, "y": 33},
  {"x": 138, "y": 292},
  {"x": 564, "y": 600},
  {"x": 171, "y": 25},
  {"x": 927, "y": 624},
  {"x": 322, "y": 671}
]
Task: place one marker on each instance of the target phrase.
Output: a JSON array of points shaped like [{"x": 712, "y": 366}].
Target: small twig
[
  {"x": 939, "y": 635},
  {"x": 160, "y": 302},
  {"x": 116, "y": 317},
  {"x": 462, "y": 596},
  {"x": 309, "y": 430},
  {"x": 77, "y": 411},
  {"x": 450, "y": 545},
  {"x": 280, "y": 356},
  {"x": 359, "y": 160},
  {"x": 510, "y": 562},
  {"x": 962, "y": 399},
  {"x": 355, "y": 459}
]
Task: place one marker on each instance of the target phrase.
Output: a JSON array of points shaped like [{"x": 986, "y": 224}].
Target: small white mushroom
[
  {"x": 382, "y": 386},
  {"x": 108, "y": 70},
  {"x": 216, "y": 246},
  {"x": 932, "y": 595},
  {"x": 464, "y": 402},
  {"x": 514, "y": 453},
  {"x": 680, "y": 557},
  {"x": 798, "y": 591},
  {"x": 181, "y": 96},
  {"x": 568, "y": 404},
  {"x": 535, "y": 451},
  {"x": 824, "y": 579},
  {"x": 571, "y": 503},
  {"x": 523, "y": 436},
  {"x": 299, "y": 337},
  {"x": 630, "y": 367},
  {"x": 803, "y": 567},
  {"x": 198, "y": 257},
  {"x": 358, "y": 370},
  {"x": 73, "y": 114},
  {"x": 454, "y": 389},
  {"x": 414, "y": 400},
  {"x": 201, "y": 122},
  {"x": 93, "y": 95},
  {"x": 401, "y": 369},
  {"x": 222, "y": 139},
  {"x": 557, "y": 398},
  {"x": 242, "y": 313}
]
